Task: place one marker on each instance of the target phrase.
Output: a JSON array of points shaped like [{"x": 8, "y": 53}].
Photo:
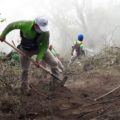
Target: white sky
[{"x": 22, "y": 9}]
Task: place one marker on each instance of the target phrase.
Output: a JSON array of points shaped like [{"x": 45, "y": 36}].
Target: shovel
[{"x": 40, "y": 66}]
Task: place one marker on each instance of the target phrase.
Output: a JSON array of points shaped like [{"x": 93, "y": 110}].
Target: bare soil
[{"x": 74, "y": 101}]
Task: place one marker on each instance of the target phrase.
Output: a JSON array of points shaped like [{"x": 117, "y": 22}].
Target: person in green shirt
[{"x": 34, "y": 41}]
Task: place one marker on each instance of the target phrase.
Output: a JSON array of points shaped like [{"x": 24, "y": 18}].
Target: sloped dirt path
[{"x": 75, "y": 101}]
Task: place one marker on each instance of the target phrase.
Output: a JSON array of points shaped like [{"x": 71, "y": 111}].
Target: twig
[{"x": 106, "y": 93}]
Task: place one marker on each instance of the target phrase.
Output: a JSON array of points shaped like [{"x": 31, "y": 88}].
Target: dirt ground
[{"x": 74, "y": 101}]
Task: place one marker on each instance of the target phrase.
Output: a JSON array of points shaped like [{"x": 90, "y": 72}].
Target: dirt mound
[{"x": 74, "y": 101}]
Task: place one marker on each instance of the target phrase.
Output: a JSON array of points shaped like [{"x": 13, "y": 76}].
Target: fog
[{"x": 98, "y": 20}]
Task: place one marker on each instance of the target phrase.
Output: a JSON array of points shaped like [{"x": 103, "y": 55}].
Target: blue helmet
[{"x": 80, "y": 37}]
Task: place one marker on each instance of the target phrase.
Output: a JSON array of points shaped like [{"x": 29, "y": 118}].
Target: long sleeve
[
  {"x": 10, "y": 27},
  {"x": 25, "y": 26},
  {"x": 43, "y": 45}
]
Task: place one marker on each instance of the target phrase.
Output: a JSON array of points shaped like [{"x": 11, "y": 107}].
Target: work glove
[{"x": 2, "y": 39}]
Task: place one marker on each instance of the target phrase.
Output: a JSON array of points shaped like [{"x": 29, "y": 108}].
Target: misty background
[{"x": 98, "y": 20}]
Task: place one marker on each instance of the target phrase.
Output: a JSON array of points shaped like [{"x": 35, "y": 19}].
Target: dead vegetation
[
  {"x": 9, "y": 80},
  {"x": 108, "y": 57},
  {"x": 75, "y": 101}
]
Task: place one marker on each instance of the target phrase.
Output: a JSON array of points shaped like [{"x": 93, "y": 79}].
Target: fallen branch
[{"x": 104, "y": 95}]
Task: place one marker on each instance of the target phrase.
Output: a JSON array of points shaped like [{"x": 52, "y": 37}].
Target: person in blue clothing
[{"x": 77, "y": 49}]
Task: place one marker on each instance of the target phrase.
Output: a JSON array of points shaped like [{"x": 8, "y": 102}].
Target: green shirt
[
  {"x": 27, "y": 29},
  {"x": 79, "y": 43}
]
